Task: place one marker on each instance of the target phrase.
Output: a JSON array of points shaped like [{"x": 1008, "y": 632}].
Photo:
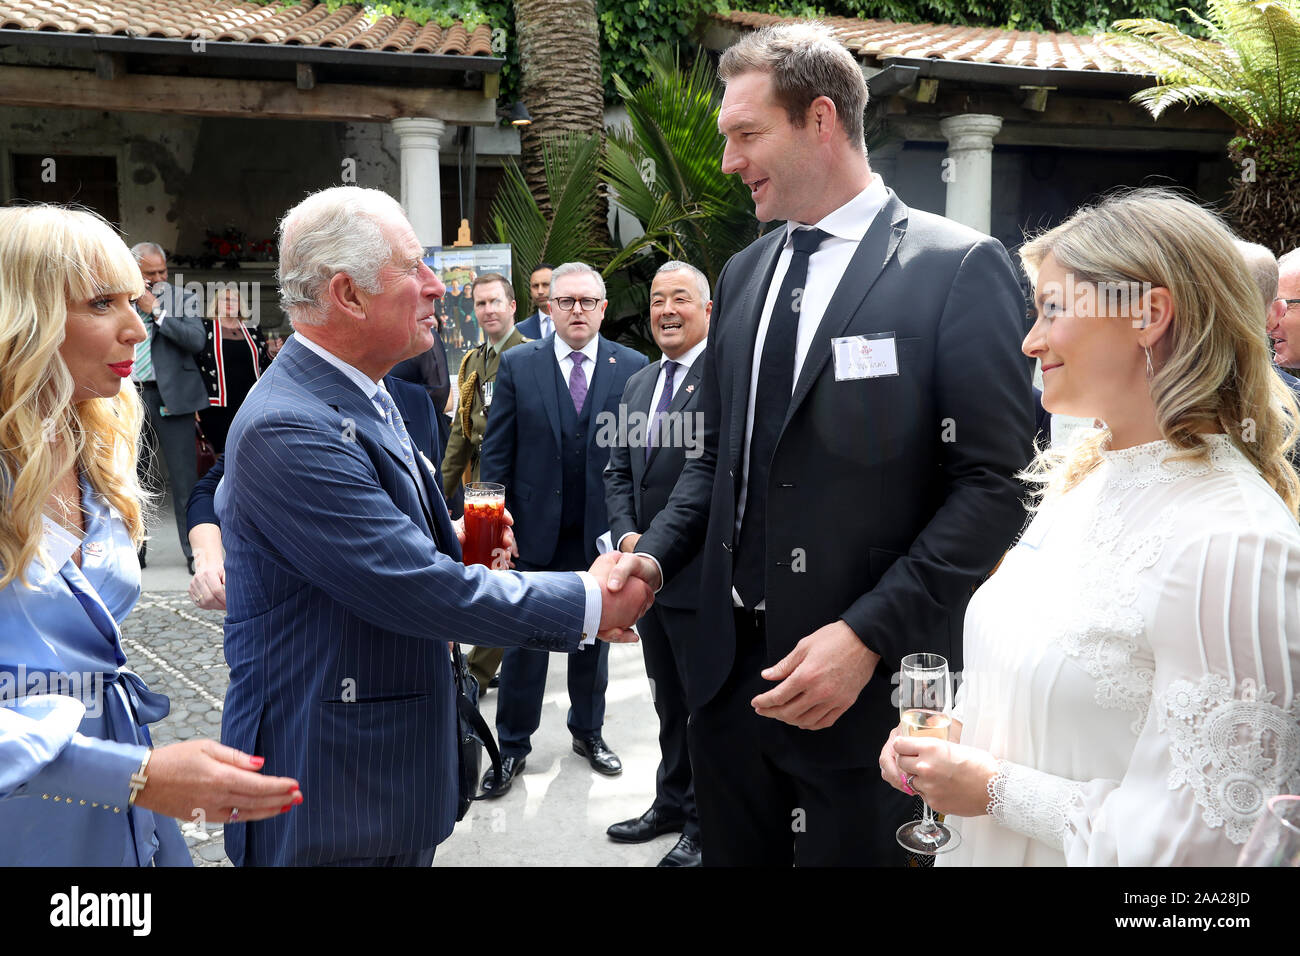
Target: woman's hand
[
  {"x": 206, "y": 776},
  {"x": 950, "y": 777},
  {"x": 208, "y": 587},
  {"x": 889, "y": 771}
]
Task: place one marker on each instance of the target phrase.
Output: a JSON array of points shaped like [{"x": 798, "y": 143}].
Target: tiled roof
[
  {"x": 301, "y": 24},
  {"x": 884, "y": 38}
]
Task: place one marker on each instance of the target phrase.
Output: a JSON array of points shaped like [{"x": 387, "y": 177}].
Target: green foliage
[
  {"x": 629, "y": 26},
  {"x": 571, "y": 162},
  {"x": 1248, "y": 67},
  {"x": 665, "y": 170}
]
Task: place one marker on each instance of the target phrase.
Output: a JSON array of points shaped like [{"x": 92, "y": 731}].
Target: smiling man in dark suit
[
  {"x": 549, "y": 453},
  {"x": 866, "y": 406},
  {"x": 643, "y": 469}
]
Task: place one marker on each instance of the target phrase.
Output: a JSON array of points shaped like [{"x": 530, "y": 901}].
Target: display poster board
[{"x": 458, "y": 267}]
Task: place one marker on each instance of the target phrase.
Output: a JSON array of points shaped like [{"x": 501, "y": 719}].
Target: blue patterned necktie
[{"x": 665, "y": 400}]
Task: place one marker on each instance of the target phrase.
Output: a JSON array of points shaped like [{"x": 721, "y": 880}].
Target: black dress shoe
[
  {"x": 685, "y": 853},
  {"x": 509, "y": 767},
  {"x": 495, "y": 681},
  {"x": 602, "y": 759},
  {"x": 647, "y": 826}
]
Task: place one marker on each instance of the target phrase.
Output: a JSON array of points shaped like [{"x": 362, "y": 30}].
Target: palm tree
[
  {"x": 559, "y": 82},
  {"x": 1249, "y": 68}
]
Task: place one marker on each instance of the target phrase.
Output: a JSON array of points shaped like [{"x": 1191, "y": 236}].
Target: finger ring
[
  {"x": 234, "y": 815},
  {"x": 907, "y": 784}
]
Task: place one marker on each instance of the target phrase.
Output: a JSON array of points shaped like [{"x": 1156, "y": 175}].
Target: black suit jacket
[
  {"x": 521, "y": 447},
  {"x": 636, "y": 489},
  {"x": 889, "y": 498}
]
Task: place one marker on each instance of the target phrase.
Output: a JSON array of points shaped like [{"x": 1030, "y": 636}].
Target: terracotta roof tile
[
  {"x": 876, "y": 39},
  {"x": 303, "y": 24}
]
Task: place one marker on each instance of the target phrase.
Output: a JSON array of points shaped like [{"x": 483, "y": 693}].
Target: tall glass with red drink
[{"x": 485, "y": 509}]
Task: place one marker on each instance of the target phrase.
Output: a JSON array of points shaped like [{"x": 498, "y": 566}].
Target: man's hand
[
  {"x": 635, "y": 566},
  {"x": 820, "y": 679},
  {"x": 147, "y": 300},
  {"x": 619, "y": 609}
]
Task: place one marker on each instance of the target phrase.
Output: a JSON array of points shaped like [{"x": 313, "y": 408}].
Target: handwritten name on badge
[{"x": 865, "y": 356}]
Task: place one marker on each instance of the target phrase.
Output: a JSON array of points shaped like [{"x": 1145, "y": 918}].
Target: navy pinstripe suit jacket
[{"x": 343, "y": 589}]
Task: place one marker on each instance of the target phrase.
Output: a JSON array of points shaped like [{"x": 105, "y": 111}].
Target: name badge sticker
[{"x": 865, "y": 356}]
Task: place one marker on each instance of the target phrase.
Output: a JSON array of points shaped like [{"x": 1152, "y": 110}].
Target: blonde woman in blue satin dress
[{"x": 80, "y": 784}]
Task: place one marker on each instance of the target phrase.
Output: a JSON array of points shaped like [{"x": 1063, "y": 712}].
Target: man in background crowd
[
  {"x": 166, "y": 372},
  {"x": 494, "y": 307},
  {"x": 539, "y": 325},
  {"x": 643, "y": 469},
  {"x": 546, "y": 453}
]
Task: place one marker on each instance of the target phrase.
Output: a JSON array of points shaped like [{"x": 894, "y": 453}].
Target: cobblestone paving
[{"x": 176, "y": 648}]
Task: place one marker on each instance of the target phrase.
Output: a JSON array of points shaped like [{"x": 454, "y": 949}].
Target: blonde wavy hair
[
  {"x": 1217, "y": 373},
  {"x": 51, "y": 256}
]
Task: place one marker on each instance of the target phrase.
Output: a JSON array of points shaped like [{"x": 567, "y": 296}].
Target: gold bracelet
[{"x": 139, "y": 779}]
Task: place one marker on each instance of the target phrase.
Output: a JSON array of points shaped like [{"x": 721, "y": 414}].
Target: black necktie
[{"x": 771, "y": 402}]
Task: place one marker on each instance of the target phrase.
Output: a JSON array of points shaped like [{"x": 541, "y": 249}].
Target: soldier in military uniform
[{"x": 494, "y": 307}]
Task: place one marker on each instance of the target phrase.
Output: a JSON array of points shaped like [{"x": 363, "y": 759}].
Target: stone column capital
[{"x": 970, "y": 131}]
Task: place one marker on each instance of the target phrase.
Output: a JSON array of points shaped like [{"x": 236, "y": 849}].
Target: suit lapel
[
  {"x": 873, "y": 254},
  {"x": 640, "y": 403},
  {"x": 748, "y": 313},
  {"x": 545, "y": 368},
  {"x": 335, "y": 389},
  {"x": 602, "y": 378}
]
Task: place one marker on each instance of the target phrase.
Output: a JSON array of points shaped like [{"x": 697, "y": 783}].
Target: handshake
[{"x": 627, "y": 586}]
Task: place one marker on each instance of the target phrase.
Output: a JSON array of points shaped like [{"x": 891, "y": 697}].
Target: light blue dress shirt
[{"x": 72, "y": 716}]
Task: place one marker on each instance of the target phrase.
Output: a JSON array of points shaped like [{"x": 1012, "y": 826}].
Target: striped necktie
[{"x": 142, "y": 369}]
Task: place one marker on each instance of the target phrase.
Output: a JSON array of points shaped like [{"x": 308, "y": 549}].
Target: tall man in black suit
[
  {"x": 865, "y": 408},
  {"x": 643, "y": 469},
  {"x": 550, "y": 453}
]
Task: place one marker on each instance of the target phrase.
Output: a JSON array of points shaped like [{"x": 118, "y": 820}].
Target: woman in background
[
  {"x": 231, "y": 362},
  {"x": 1130, "y": 690},
  {"x": 79, "y": 782}
]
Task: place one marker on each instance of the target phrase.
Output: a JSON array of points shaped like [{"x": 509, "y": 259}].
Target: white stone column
[
  {"x": 968, "y": 170},
  {"x": 421, "y": 189}
]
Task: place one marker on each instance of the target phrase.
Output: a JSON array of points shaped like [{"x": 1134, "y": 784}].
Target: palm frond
[{"x": 1249, "y": 67}]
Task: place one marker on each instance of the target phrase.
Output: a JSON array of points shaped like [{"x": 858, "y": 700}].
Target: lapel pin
[
  {"x": 612, "y": 360},
  {"x": 690, "y": 389}
]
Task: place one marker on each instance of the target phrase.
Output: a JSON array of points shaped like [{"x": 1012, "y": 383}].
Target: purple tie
[
  {"x": 577, "y": 382},
  {"x": 665, "y": 400}
]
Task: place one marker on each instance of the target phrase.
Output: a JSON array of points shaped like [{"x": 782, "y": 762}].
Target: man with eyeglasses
[
  {"x": 1263, "y": 268},
  {"x": 544, "y": 443},
  {"x": 494, "y": 307},
  {"x": 1284, "y": 330}
]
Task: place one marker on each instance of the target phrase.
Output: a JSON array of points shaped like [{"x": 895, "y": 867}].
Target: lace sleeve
[{"x": 1034, "y": 803}]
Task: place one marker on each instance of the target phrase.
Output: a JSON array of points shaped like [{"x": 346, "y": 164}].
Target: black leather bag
[{"x": 473, "y": 734}]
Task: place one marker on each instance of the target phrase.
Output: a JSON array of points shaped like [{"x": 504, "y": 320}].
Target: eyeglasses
[
  {"x": 1290, "y": 302},
  {"x": 565, "y": 303}
]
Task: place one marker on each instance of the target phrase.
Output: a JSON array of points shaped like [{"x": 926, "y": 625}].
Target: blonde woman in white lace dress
[{"x": 1130, "y": 695}]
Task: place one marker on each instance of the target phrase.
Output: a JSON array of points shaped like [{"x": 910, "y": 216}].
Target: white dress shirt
[
  {"x": 826, "y": 267},
  {"x": 564, "y": 355},
  {"x": 545, "y": 323}
]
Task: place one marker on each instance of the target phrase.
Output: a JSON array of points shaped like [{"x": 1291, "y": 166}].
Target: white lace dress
[{"x": 1133, "y": 664}]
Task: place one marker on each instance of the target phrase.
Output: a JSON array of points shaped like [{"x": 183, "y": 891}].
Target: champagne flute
[
  {"x": 924, "y": 703},
  {"x": 1275, "y": 841}
]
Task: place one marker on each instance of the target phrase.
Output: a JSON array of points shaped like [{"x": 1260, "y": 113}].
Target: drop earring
[{"x": 1150, "y": 371}]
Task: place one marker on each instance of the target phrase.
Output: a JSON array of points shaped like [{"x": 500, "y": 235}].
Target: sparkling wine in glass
[
  {"x": 485, "y": 509},
  {"x": 924, "y": 703},
  {"x": 1275, "y": 841}
]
